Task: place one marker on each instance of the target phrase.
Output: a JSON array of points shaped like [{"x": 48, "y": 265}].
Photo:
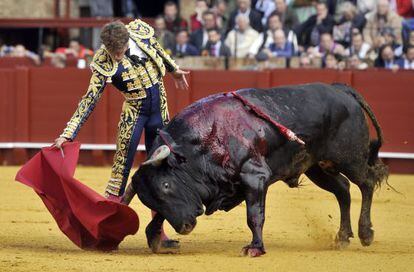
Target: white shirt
[
  {"x": 408, "y": 65},
  {"x": 267, "y": 7},
  {"x": 135, "y": 50}
]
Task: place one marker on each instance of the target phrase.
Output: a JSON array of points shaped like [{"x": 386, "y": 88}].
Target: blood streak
[{"x": 226, "y": 127}]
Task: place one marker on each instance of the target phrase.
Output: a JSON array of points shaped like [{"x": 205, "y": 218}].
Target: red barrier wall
[{"x": 36, "y": 103}]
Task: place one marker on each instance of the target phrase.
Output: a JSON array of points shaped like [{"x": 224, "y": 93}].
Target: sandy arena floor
[{"x": 298, "y": 235}]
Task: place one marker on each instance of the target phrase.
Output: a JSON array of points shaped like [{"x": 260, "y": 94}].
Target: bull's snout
[{"x": 187, "y": 227}]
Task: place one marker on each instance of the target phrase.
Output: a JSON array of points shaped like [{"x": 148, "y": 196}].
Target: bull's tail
[{"x": 377, "y": 170}]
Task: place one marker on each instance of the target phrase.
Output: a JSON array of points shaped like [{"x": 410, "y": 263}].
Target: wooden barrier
[{"x": 36, "y": 103}]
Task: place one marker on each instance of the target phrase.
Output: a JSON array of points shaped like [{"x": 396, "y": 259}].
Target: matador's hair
[{"x": 114, "y": 36}]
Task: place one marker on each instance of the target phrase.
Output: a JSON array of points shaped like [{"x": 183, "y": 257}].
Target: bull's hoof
[
  {"x": 341, "y": 244},
  {"x": 252, "y": 251},
  {"x": 342, "y": 239},
  {"x": 366, "y": 237},
  {"x": 170, "y": 244},
  {"x": 154, "y": 243}
]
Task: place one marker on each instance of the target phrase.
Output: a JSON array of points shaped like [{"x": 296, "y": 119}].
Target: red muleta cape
[{"x": 85, "y": 217}]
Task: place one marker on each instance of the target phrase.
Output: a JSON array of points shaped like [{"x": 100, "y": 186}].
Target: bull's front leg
[{"x": 255, "y": 176}]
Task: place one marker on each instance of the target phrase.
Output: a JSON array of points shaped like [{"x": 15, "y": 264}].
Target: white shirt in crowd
[
  {"x": 217, "y": 47},
  {"x": 362, "y": 54},
  {"x": 240, "y": 43},
  {"x": 409, "y": 65},
  {"x": 266, "y": 7}
]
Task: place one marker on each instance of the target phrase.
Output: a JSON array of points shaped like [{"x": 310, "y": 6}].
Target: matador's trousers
[{"x": 151, "y": 114}]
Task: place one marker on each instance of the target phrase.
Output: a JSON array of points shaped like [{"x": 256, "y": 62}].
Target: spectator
[
  {"x": 199, "y": 38},
  {"x": 173, "y": 20},
  {"x": 196, "y": 18},
  {"x": 287, "y": 16},
  {"x": 386, "y": 58},
  {"x": 182, "y": 48},
  {"x": 405, "y": 8},
  {"x": 379, "y": 19},
  {"x": 330, "y": 61},
  {"x": 305, "y": 61},
  {"x": 266, "y": 37},
  {"x": 280, "y": 47},
  {"x": 407, "y": 62},
  {"x": 19, "y": 51},
  {"x": 215, "y": 47},
  {"x": 164, "y": 36},
  {"x": 5, "y": 50},
  {"x": 309, "y": 32},
  {"x": 241, "y": 37},
  {"x": 265, "y": 8},
  {"x": 327, "y": 45},
  {"x": 350, "y": 20},
  {"x": 358, "y": 47},
  {"x": 75, "y": 50},
  {"x": 354, "y": 62},
  {"x": 222, "y": 20},
  {"x": 244, "y": 8},
  {"x": 389, "y": 38},
  {"x": 365, "y": 6},
  {"x": 409, "y": 41}
]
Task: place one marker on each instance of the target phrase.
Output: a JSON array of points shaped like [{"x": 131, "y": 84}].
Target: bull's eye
[{"x": 166, "y": 186}]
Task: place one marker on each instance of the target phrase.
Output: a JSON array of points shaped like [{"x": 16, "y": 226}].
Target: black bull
[{"x": 217, "y": 153}]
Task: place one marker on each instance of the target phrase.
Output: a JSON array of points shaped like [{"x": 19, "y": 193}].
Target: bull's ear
[{"x": 158, "y": 156}]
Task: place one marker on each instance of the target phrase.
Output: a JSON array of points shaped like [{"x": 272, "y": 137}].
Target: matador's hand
[
  {"x": 180, "y": 80},
  {"x": 59, "y": 142}
]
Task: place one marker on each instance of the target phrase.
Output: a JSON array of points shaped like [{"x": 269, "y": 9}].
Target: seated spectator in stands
[
  {"x": 75, "y": 50},
  {"x": 405, "y": 8},
  {"x": 58, "y": 60},
  {"x": 220, "y": 11},
  {"x": 327, "y": 45},
  {"x": 241, "y": 38},
  {"x": 182, "y": 47},
  {"x": 409, "y": 41},
  {"x": 389, "y": 38},
  {"x": 407, "y": 62},
  {"x": 266, "y": 37},
  {"x": 365, "y": 6},
  {"x": 386, "y": 58},
  {"x": 358, "y": 47},
  {"x": 280, "y": 47},
  {"x": 199, "y": 37},
  {"x": 355, "y": 63},
  {"x": 19, "y": 51},
  {"x": 244, "y": 8},
  {"x": 173, "y": 20},
  {"x": 330, "y": 61},
  {"x": 163, "y": 35},
  {"x": 287, "y": 16},
  {"x": 305, "y": 61},
  {"x": 350, "y": 20},
  {"x": 377, "y": 20},
  {"x": 215, "y": 47},
  {"x": 309, "y": 32},
  {"x": 5, "y": 50},
  {"x": 265, "y": 8},
  {"x": 196, "y": 19}
]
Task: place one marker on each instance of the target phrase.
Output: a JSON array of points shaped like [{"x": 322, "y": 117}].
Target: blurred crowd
[{"x": 340, "y": 34}]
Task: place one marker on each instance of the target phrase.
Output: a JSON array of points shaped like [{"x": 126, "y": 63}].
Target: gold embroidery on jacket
[
  {"x": 85, "y": 106},
  {"x": 103, "y": 62}
]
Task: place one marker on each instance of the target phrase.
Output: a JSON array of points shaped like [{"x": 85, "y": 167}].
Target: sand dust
[{"x": 299, "y": 231}]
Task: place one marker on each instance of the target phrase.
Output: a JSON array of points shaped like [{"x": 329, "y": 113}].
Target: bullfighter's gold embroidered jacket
[{"x": 130, "y": 78}]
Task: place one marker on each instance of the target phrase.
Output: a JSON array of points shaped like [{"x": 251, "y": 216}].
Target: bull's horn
[{"x": 159, "y": 154}]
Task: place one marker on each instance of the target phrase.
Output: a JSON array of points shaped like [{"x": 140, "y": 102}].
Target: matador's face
[{"x": 119, "y": 54}]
